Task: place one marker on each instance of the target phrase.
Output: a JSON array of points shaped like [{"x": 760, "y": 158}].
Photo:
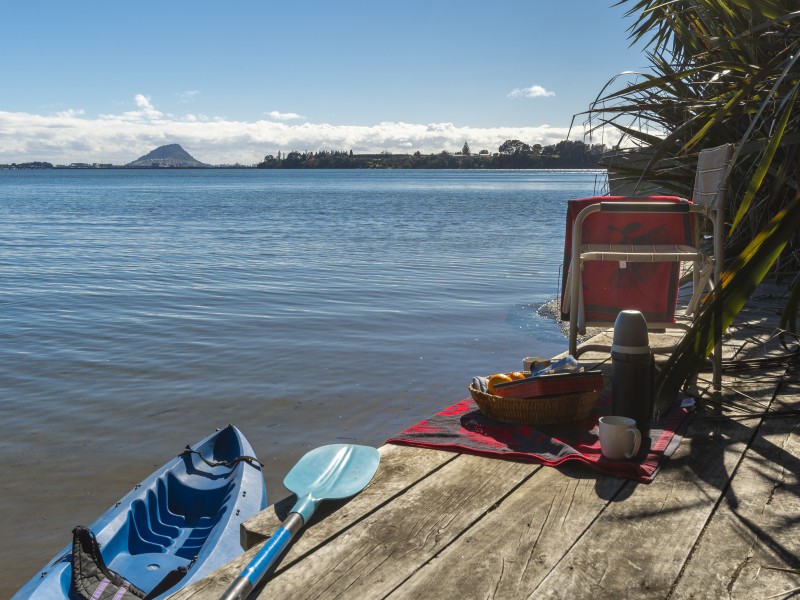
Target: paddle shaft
[{"x": 258, "y": 566}]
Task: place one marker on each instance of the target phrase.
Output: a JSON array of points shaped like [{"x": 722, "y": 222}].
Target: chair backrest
[
  {"x": 711, "y": 180},
  {"x": 710, "y": 190},
  {"x": 651, "y": 288}
]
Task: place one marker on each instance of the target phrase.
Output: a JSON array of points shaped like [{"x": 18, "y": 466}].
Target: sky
[{"x": 232, "y": 82}]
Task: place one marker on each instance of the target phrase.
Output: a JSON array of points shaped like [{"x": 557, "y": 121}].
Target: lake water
[{"x": 140, "y": 310}]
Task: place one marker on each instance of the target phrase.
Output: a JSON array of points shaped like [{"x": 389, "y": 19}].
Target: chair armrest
[{"x": 646, "y": 207}]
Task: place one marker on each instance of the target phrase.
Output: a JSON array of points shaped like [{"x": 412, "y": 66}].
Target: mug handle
[{"x": 637, "y": 441}]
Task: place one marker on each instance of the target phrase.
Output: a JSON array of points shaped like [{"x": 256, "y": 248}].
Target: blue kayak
[{"x": 174, "y": 528}]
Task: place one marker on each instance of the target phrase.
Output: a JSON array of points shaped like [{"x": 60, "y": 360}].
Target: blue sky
[{"x": 231, "y": 82}]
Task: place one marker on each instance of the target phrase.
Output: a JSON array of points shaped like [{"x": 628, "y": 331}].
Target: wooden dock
[{"x": 721, "y": 519}]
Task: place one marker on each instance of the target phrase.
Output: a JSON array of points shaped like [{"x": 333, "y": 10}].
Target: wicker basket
[{"x": 542, "y": 410}]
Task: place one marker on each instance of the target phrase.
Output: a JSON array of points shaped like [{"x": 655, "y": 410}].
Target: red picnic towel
[{"x": 462, "y": 427}]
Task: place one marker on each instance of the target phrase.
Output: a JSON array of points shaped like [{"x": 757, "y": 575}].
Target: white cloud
[
  {"x": 535, "y": 91},
  {"x": 279, "y": 116},
  {"x": 188, "y": 95},
  {"x": 146, "y": 107},
  {"x": 71, "y": 136},
  {"x": 70, "y": 113},
  {"x": 146, "y": 111}
]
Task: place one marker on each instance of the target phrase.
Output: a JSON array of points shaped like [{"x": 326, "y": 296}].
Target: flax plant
[{"x": 721, "y": 71}]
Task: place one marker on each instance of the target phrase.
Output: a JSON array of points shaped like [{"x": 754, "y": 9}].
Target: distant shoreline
[
  {"x": 512, "y": 154},
  {"x": 255, "y": 168}
]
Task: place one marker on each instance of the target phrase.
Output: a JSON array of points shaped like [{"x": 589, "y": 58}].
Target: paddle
[{"x": 327, "y": 473}]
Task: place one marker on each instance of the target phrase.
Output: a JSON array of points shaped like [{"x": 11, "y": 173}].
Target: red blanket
[{"x": 462, "y": 427}]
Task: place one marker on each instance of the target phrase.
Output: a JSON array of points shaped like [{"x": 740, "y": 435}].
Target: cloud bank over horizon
[{"x": 72, "y": 136}]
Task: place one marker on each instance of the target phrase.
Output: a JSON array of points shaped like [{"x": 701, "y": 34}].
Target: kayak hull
[{"x": 186, "y": 514}]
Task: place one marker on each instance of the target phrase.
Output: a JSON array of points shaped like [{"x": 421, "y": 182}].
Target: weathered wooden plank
[
  {"x": 374, "y": 556},
  {"x": 636, "y": 548},
  {"x": 756, "y": 525},
  {"x": 508, "y": 552},
  {"x": 401, "y": 467}
]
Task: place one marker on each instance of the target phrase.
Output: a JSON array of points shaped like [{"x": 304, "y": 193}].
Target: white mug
[
  {"x": 529, "y": 363},
  {"x": 619, "y": 437}
]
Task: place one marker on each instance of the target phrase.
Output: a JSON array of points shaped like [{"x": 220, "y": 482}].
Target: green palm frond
[
  {"x": 766, "y": 161},
  {"x": 737, "y": 284},
  {"x": 721, "y": 71}
]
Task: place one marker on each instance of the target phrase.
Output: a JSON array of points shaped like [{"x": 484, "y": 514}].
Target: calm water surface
[{"x": 140, "y": 310}]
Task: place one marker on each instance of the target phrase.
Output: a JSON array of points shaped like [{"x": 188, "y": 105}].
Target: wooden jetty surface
[{"x": 721, "y": 519}]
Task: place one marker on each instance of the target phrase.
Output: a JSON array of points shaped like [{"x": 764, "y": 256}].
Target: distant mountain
[{"x": 171, "y": 155}]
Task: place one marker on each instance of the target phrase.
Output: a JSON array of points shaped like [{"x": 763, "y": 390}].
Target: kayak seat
[
  {"x": 193, "y": 502},
  {"x": 92, "y": 579},
  {"x": 146, "y": 556}
]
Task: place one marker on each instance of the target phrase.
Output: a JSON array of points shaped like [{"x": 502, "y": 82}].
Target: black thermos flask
[{"x": 632, "y": 371}]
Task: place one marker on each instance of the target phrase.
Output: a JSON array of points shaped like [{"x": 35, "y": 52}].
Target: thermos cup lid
[{"x": 630, "y": 333}]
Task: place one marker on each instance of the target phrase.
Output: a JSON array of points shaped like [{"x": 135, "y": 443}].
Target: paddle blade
[{"x": 330, "y": 473}]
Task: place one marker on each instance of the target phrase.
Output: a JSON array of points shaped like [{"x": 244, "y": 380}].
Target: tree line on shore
[{"x": 512, "y": 154}]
